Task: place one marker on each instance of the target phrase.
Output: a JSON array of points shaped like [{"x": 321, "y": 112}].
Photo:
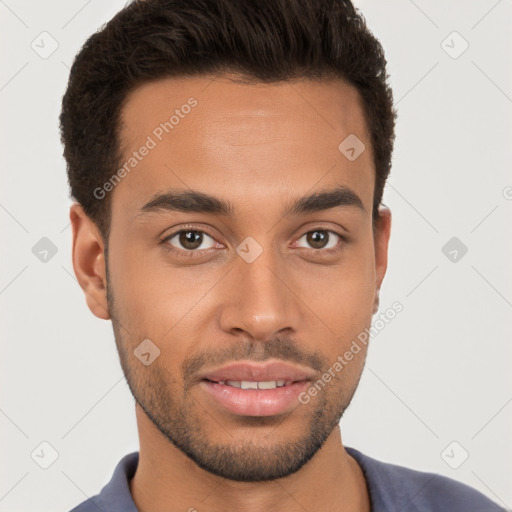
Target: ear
[
  {"x": 381, "y": 234},
  {"x": 89, "y": 262}
]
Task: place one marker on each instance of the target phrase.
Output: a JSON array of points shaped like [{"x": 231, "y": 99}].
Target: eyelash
[{"x": 197, "y": 253}]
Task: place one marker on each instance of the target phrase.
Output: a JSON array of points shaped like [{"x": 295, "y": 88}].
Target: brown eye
[
  {"x": 317, "y": 239},
  {"x": 321, "y": 239},
  {"x": 189, "y": 240}
]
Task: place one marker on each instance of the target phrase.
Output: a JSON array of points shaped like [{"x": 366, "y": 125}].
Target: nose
[{"x": 262, "y": 298}]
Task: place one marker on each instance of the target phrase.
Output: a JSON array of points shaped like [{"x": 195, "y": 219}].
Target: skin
[{"x": 260, "y": 146}]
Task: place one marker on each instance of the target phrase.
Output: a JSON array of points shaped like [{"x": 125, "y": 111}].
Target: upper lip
[{"x": 258, "y": 372}]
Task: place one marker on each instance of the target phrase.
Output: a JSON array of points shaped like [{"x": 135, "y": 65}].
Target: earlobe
[
  {"x": 89, "y": 261},
  {"x": 382, "y": 232}
]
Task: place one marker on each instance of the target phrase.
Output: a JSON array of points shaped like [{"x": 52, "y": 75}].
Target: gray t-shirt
[{"x": 392, "y": 488}]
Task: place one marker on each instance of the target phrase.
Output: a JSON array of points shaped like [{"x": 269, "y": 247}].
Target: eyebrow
[{"x": 193, "y": 201}]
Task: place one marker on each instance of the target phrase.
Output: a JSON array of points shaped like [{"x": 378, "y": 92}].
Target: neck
[{"x": 167, "y": 480}]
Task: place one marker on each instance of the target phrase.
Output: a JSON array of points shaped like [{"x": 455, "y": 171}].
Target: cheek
[
  {"x": 152, "y": 298},
  {"x": 344, "y": 301},
  {"x": 343, "y": 294}
]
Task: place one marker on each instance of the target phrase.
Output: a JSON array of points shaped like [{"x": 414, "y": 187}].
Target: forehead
[{"x": 242, "y": 141}]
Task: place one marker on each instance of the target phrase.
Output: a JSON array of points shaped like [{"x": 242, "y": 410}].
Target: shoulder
[
  {"x": 115, "y": 495},
  {"x": 394, "y": 487},
  {"x": 90, "y": 505}
]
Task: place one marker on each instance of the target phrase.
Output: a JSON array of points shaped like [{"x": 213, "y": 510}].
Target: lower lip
[{"x": 256, "y": 402}]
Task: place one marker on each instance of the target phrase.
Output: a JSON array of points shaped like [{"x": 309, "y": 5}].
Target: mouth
[
  {"x": 268, "y": 373},
  {"x": 250, "y": 388},
  {"x": 248, "y": 384},
  {"x": 255, "y": 398}
]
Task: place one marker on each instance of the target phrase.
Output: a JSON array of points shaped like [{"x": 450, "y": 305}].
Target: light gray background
[{"x": 438, "y": 373}]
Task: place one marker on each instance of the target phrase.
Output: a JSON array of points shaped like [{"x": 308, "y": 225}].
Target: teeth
[
  {"x": 271, "y": 384},
  {"x": 246, "y": 384}
]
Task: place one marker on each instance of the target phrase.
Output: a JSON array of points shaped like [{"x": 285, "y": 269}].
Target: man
[{"x": 228, "y": 160}]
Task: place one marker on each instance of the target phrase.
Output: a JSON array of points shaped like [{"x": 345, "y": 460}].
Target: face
[{"x": 241, "y": 276}]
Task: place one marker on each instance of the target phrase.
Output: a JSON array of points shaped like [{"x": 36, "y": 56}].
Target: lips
[
  {"x": 251, "y": 372},
  {"x": 256, "y": 389},
  {"x": 254, "y": 402}
]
